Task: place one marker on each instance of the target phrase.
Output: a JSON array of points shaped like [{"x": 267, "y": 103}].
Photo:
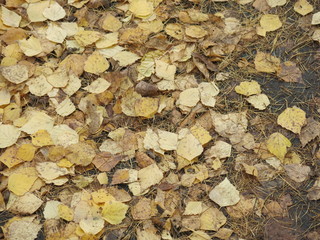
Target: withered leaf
[{"x": 105, "y": 161}]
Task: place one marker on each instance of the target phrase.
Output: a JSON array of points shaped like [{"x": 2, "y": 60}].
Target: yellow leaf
[
  {"x": 114, "y": 212},
  {"x": 21, "y": 181},
  {"x": 208, "y": 91},
  {"x": 39, "y": 86},
  {"x": 65, "y": 108},
  {"x": 168, "y": 141},
  {"x": 277, "y": 145},
  {"x": 146, "y": 107},
  {"x": 189, "y": 97},
  {"x": 55, "y": 33},
  {"x": 30, "y": 47},
  {"x": 141, "y": 8},
  {"x": 111, "y": 23},
  {"x": 275, "y": 3},
  {"x": 91, "y": 225},
  {"x": 264, "y": 62},
  {"x": 201, "y": 134},
  {"x": 26, "y": 152},
  {"x": 98, "y": 86},
  {"x": 189, "y": 147},
  {"x": 248, "y": 88},
  {"x": 292, "y": 119},
  {"x": 303, "y": 7},
  {"x": 270, "y": 22},
  {"x": 195, "y": 31},
  {"x": 101, "y": 196},
  {"x": 315, "y": 19},
  {"x": 85, "y": 38},
  {"x": 126, "y": 58},
  {"x": 175, "y": 30},
  {"x": 8, "y": 157},
  {"x": 65, "y": 212},
  {"x": 36, "y": 9},
  {"x": 96, "y": 63},
  {"x": 16, "y": 73}
]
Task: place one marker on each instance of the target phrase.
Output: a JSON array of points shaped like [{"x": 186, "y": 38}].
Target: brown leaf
[
  {"x": 290, "y": 72},
  {"x": 310, "y": 131},
  {"x": 146, "y": 89},
  {"x": 105, "y": 161},
  {"x": 143, "y": 159}
]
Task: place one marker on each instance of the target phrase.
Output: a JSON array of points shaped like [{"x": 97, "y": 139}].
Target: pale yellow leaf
[
  {"x": 55, "y": 33},
  {"x": 65, "y": 108},
  {"x": 26, "y": 204},
  {"x": 107, "y": 40},
  {"x": 30, "y": 47},
  {"x": 275, "y": 3},
  {"x": 41, "y": 138},
  {"x": 54, "y": 12},
  {"x": 193, "y": 208},
  {"x": 292, "y": 119},
  {"x": 208, "y": 91},
  {"x": 63, "y": 135},
  {"x": 195, "y": 31},
  {"x": 270, "y": 22},
  {"x": 212, "y": 219},
  {"x": 189, "y": 97},
  {"x": 165, "y": 70},
  {"x": 303, "y": 7},
  {"x": 21, "y": 181},
  {"x": 37, "y": 121},
  {"x": 26, "y": 152},
  {"x": 126, "y": 58},
  {"x": 35, "y": 10},
  {"x": 189, "y": 147},
  {"x": 10, "y": 18},
  {"x": 8, "y": 135},
  {"x": 92, "y": 225},
  {"x": 141, "y": 8},
  {"x": 111, "y": 23},
  {"x": 315, "y": 19},
  {"x": 58, "y": 79},
  {"x": 149, "y": 176},
  {"x": 16, "y": 73},
  {"x": 85, "y": 38},
  {"x": 260, "y": 101},
  {"x": 175, "y": 30},
  {"x": 39, "y": 86},
  {"x": 98, "y": 86},
  {"x": 225, "y": 194},
  {"x": 248, "y": 88},
  {"x": 50, "y": 210},
  {"x": 201, "y": 134},
  {"x": 168, "y": 141}
]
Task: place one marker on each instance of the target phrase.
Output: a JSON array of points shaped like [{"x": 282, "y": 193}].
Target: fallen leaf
[
  {"x": 260, "y": 101},
  {"x": 114, "y": 212},
  {"x": 310, "y": 131},
  {"x": 297, "y": 172},
  {"x": 289, "y": 72},
  {"x": 315, "y": 19},
  {"x": 126, "y": 58},
  {"x": 149, "y": 176},
  {"x": 189, "y": 147},
  {"x": 26, "y": 152},
  {"x": 275, "y": 3},
  {"x": 146, "y": 107},
  {"x": 92, "y": 225},
  {"x": 208, "y": 91},
  {"x": 314, "y": 191},
  {"x": 35, "y": 10},
  {"x": 212, "y": 219},
  {"x": 267, "y": 63},
  {"x": 270, "y": 22},
  {"x": 10, "y": 18},
  {"x": 292, "y": 119},
  {"x": 54, "y": 12},
  {"x": 85, "y": 38},
  {"x": 225, "y": 194},
  {"x": 31, "y": 46},
  {"x": 65, "y": 212},
  {"x": 96, "y": 63},
  {"x": 195, "y": 31},
  {"x": 26, "y": 228},
  {"x": 168, "y": 141},
  {"x": 189, "y": 97},
  {"x": 15, "y": 73},
  {"x": 247, "y": 88},
  {"x": 141, "y": 8},
  {"x": 8, "y": 135},
  {"x": 22, "y": 180},
  {"x": 303, "y": 7},
  {"x": 142, "y": 210},
  {"x": 26, "y": 204},
  {"x": 277, "y": 145}
]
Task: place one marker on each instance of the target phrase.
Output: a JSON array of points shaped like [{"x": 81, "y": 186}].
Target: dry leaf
[
  {"x": 96, "y": 63},
  {"x": 315, "y": 19},
  {"x": 314, "y": 191},
  {"x": 26, "y": 228},
  {"x": 54, "y": 12},
  {"x": 22, "y": 180},
  {"x": 39, "y": 86},
  {"x": 114, "y": 212},
  {"x": 146, "y": 107},
  {"x": 310, "y": 131},
  {"x": 225, "y": 194},
  {"x": 260, "y": 101},
  {"x": 208, "y": 91},
  {"x": 141, "y": 8},
  {"x": 275, "y": 3},
  {"x": 297, "y": 172},
  {"x": 212, "y": 219},
  {"x": 195, "y": 31},
  {"x": 63, "y": 135},
  {"x": 248, "y": 88},
  {"x": 149, "y": 176},
  {"x": 35, "y": 10},
  {"x": 65, "y": 212},
  {"x": 292, "y": 119},
  {"x": 30, "y": 47},
  {"x": 289, "y": 72},
  {"x": 8, "y": 135},
  {"x": 126, "y": 58},
  {"x": 92, "y": 225},
  {"x": 277, "y": 145},
  {"x": 15, "y": 73},
  {"x": 270, "y": 22},
  {"x": 26, "y": 204},
  {"x": 85, "y": 38},
  {"x": 189, "y": 147},
  {"x": 264, "y": 62},
  {"x": 168, "y": 141},
  {"x": 303, "y": 7},
  {"x": 55, "y": 33},
  {"x": 10, "y": 18},
  {"x": 189, "y": 97}
]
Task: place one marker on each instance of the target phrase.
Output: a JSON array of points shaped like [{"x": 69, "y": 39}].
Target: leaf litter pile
[{"x": 158, "y": 119}]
